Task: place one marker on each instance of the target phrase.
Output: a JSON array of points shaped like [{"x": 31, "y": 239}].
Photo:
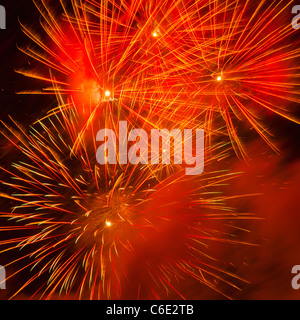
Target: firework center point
[
  {"x": 137, "y": 147},
  {"x": 108, "y": 223}
]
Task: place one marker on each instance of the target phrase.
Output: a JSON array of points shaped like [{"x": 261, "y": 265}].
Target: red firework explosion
[{"x": 122, "y": 231}]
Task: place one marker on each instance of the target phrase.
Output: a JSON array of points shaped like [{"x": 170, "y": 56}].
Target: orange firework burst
[
  {"x": 112, "y": 231},
  {"x": 84, "y": 230},
  {"x": 203, "y": 60},
  {"x": 248, "y": 70}
]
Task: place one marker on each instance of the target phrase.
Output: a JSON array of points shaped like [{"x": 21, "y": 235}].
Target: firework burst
[
  {"x": 210, "y": 61},
  {"x": 112, "y": 231},
  {"x": 90, "y": 231}
]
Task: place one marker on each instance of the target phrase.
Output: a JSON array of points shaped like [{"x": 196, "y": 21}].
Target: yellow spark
[
  {"x": 155, "y": 34},
  {"x": 108, "y": 223}
]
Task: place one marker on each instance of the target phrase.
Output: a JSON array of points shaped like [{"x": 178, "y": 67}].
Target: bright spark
[{"x": 108, "y": 223}]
